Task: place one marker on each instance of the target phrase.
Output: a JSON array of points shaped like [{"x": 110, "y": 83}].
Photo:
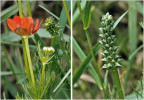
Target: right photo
[{"x": 107, "y": 49}]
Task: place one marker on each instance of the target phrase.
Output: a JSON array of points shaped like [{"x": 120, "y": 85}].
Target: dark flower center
[{"x": 19, "y": 31}]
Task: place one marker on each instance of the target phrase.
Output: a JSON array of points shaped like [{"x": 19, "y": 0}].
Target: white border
[
  {"x": 0, "y": 52},
  {"x": 143, "y": 48},
  {"x": 71, "y": 55}
]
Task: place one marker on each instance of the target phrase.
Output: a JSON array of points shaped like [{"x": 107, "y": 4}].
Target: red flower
[{"x": 24, "y": 26}]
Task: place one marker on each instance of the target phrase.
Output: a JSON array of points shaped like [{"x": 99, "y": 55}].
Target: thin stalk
[
  {"x": 91, "y": 49},
  {"x": 53, "y": 37},
  {"x": 68, "y": 16},
  {"x": 28, "y": 63},
  {"x": 23, "y": 44},
  {"x": 29, "y": 8},
  {"x": 79, "y": 6},
  {"x": 41, "y": 80},
  {"x": 25, "y": 40},
  {"x": 97, "y": 70},
  {"x": 117, "y": 84},
  {"x": 43, "y": 71},
  {"x": 25, "y": 60},
  {"x": 20, "y": 9}
]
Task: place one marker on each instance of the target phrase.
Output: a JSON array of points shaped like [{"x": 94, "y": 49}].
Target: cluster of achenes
[
  {"x": 107, "y": 41},
  {"x": 51, "y": 26}
]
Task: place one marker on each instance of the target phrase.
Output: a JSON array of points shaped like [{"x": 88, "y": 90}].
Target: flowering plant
[{"x": 24, "y": 26}]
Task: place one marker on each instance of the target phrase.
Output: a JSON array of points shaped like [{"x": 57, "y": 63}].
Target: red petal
[
  {"x": 17, "y": 19},
  {"x": 12, "y": 25},
  {"x": 36, "y": 24},
  {"x": 35, "y": 30},
  {"x": 27, "y": 25}
]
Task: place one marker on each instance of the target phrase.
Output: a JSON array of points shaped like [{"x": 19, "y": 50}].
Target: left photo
[{"x": 35, "y": 49}]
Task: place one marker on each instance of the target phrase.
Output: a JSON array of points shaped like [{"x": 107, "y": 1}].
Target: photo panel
[
  {"x": 107, "y": 49},
  {"x": 35, "y": 49}
]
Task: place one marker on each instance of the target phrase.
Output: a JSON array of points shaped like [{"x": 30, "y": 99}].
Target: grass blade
[
  {"x": 78, "y": 50},
  {"x": 132, "y": 28},
  {"x": 134, "y": 53},
  {"x": 9, "y": 86},
  {"x": 10, "y": 73},
  {"x": 132, "y": 32},
  {"x": 86, "y": 61},
  {"x": 66, "y": 75},
  {"x": 77, "y": 13},
  {"x": 139, "y": 7},
  {"x": 120, "y": 18},
  {"x": 32, "y": 47},
  {"x": 48, "y": 11},
  {"x": 63, "y": 19},
  {"x": 133, "y": 95},
  {"x": 87, "y": 15},
  {"x": 52, "y": 14},
  {"x": 67, "y": 13}
]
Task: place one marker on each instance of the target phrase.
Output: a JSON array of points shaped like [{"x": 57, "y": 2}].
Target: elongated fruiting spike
[
  {"x": 110, "y": 57},
  {"x": 51, "y": 26}
]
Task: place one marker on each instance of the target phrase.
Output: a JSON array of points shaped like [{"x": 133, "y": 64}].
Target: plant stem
[
  {"x": 79, "y": 6},
  {"x": 68, "y": 17},
  {"x": 97, "y": 70},
  {"x": 26, "y": 45},
  {"x": 91, "y": 49},
  {"x": 41, "y": 80},
  {"x": 23, "y": 44},
  {"x": 53, "y": 37},
  {"x": 25, "y": 60},
  {"x": 43, "y": 71},
  {"x": 20, "y": 9},
  {"x": 117, "y": 83},
  {"x": 29, "y": 8}
]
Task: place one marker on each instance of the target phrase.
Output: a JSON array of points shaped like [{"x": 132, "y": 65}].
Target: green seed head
[{"x": 51, "y": 26}]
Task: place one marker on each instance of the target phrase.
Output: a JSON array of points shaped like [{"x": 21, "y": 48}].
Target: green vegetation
[
  {"x": 104, "y": 78},
  {"x": 45, "y": 72}
]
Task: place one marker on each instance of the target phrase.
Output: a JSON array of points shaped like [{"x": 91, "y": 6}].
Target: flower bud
[{"x": 48, "y": 50}]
